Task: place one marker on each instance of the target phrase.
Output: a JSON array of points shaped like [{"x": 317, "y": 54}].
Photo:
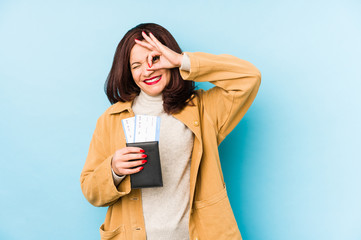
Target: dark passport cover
[{"x": 151, "y": 175}]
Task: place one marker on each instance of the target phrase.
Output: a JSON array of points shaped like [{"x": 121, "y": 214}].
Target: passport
[{"x": 151, "y": 175}]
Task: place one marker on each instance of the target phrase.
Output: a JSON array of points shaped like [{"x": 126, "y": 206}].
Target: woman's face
[{"x": 150, "y": 81}]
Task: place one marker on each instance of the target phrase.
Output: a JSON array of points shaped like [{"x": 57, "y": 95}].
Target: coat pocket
[
  {"x": 214, "y": 218},
  {"x": 116, "y": 234}
]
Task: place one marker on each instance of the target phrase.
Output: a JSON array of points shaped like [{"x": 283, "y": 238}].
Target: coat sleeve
[
  {"x": 96, "y": 178},
  {"x": 236, "y": 84}
]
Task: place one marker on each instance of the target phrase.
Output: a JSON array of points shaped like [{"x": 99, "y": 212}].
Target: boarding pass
[{"x": 141, "y": 128}]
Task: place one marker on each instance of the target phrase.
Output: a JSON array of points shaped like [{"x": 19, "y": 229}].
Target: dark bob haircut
[{"x": 120, "y": 85}]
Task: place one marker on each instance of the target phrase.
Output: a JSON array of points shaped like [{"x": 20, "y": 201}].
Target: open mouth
[{"x": 153, "y": 80}]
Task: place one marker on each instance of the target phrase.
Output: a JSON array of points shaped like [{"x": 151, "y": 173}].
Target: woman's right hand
[
  {"x": 128, "y": 160},
  {"x": 160, "y": 56}
]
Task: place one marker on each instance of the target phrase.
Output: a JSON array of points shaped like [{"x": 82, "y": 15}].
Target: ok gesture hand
[{"x": 160, "y": 56}]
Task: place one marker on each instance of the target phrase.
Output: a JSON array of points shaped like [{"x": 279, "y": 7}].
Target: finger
[
  {"x": 132, "y": 164},
  {"x": 150, "y": 60},
  {"x": 158, "y": 44},
  {"x": 128, "y": 150},
  {"x": 144, "y": 44},
  {"x": 148, "y": 39},
  {"x": 132, "y": 171},
  {"x": 134, "y": 149},
  {"x": 131, "y": 157}
]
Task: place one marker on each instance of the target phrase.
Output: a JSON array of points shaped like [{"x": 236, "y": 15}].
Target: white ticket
[
  {"x": 146, "y": 128},
  {"x": 129, "y": 128}
]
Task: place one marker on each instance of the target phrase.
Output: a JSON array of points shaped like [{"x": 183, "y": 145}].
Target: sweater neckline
[{"x": 143, "y": 97}]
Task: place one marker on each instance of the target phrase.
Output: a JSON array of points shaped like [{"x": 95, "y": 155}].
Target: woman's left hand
[{"x": 160, "y": 56}]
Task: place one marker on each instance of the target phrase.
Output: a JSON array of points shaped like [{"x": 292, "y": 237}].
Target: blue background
[{"x": 292, "y": 165}]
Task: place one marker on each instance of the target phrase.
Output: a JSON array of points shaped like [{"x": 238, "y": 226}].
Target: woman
[{"x": 150, "y": 75}]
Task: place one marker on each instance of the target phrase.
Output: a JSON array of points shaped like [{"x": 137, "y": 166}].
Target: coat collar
[{"x": 120, "y": 107}]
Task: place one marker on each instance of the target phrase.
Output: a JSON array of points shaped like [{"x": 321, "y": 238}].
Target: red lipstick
[{"x": 152, "y": 83}]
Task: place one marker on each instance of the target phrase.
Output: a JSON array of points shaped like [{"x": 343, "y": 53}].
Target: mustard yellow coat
[{"x": 215, "y": 114}]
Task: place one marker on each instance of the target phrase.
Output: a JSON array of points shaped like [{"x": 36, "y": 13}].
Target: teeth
[{"x": 153, "y": 80}]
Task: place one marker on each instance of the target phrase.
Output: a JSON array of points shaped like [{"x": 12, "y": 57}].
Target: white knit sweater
[{"x": 166, "y": 209}]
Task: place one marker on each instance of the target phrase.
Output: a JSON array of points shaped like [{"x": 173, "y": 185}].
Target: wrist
[{"x": 180, "y": 60}]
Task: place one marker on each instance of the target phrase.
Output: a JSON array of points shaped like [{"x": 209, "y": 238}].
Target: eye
[{"x": 155, "y": 58}]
